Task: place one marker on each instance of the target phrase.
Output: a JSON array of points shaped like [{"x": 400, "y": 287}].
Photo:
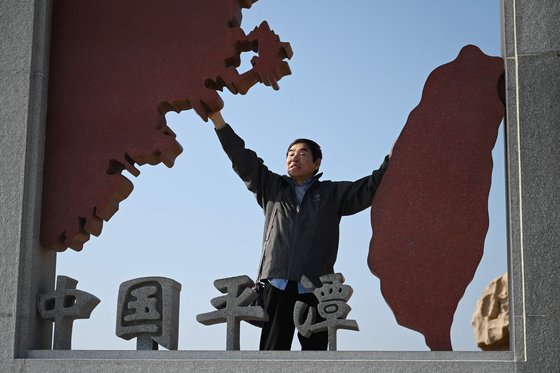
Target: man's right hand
[{"x": 217, "y": 119}]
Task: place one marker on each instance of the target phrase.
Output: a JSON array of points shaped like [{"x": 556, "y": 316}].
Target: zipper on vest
[
  {"x": 296, "y": 230},
  {"x": 293, "y": 243}
]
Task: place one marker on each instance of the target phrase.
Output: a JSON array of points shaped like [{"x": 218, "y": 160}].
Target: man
[{"x": 301, "y": 231}]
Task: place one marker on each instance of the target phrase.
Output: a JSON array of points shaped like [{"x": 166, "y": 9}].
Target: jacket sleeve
[
  {"x": 247, "y": 164},
  {"x": 358, "y": 195}
]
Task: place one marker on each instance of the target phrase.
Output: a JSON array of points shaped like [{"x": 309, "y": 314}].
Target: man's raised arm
[{"x": 217, "y": 119}]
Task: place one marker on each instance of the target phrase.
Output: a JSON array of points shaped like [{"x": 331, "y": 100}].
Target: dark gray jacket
[{"x": 298, "y": 240}]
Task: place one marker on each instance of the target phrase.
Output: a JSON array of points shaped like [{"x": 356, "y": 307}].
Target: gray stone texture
[
  {"x": 534, "y": 25},
  {"x": 233, "y": 307},
  {"x": 148, "y": 309},
  {"x": 282, "y": 361},
  {"x": 530, "y": 44},
  {"x": 25, "y": 268},
  {"x": 266, "y": 361},
  {"x": 532, "y": 48},
  {"x": 333, "y": 307},
  {"x": 538, "y": 26},
  {"x": 63, "y": 306}
]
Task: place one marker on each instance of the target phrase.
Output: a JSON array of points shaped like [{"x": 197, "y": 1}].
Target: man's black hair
[{"x": 312, "y": 145}]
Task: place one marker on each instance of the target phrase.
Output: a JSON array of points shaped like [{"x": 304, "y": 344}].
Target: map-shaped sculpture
[
  {"x": 430, "y": 214},
  {"x": 116, "y": 68}
]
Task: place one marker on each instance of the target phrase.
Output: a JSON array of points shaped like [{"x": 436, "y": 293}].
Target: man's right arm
[
  {"x": 217, "y": 119},
  {"x": 245, "y": 162}
]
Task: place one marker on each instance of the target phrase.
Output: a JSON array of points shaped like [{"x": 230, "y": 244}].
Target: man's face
[{"x": 299, "y": 163}]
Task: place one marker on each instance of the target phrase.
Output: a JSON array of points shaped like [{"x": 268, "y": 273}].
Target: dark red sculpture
[
  {"x": 116, "y": 68},
  {"x": 430, "y": 214}
]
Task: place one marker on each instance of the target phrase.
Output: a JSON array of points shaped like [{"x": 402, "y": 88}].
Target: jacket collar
[{"x": 315, "y": 178}]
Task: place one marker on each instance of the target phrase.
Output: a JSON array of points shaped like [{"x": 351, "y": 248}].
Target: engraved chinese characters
[
  {"x": 233, "y": 307},
  {"x": 332, "y": 306},
  {"x": 63, "y": 306},
  {"x": 148, "y": 309}
]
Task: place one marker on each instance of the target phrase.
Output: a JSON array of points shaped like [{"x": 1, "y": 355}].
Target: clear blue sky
[{"x": 358, "y": 70}]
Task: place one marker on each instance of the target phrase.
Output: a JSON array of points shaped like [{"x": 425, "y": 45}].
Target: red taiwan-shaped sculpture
[
  {"x": 116, "y": 68},
  {"x": 430, "y": 214}
]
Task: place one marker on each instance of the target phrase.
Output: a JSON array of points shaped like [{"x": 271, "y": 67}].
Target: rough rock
[{"x": 490, "y": 320}]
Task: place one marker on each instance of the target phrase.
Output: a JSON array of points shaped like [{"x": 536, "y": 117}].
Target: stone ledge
[
  {"x": 259, "y": 361},
  {"x": 455, "y": 356}
]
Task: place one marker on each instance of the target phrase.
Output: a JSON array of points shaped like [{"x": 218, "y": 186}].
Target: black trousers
[{"x": 278, "y": 332}]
